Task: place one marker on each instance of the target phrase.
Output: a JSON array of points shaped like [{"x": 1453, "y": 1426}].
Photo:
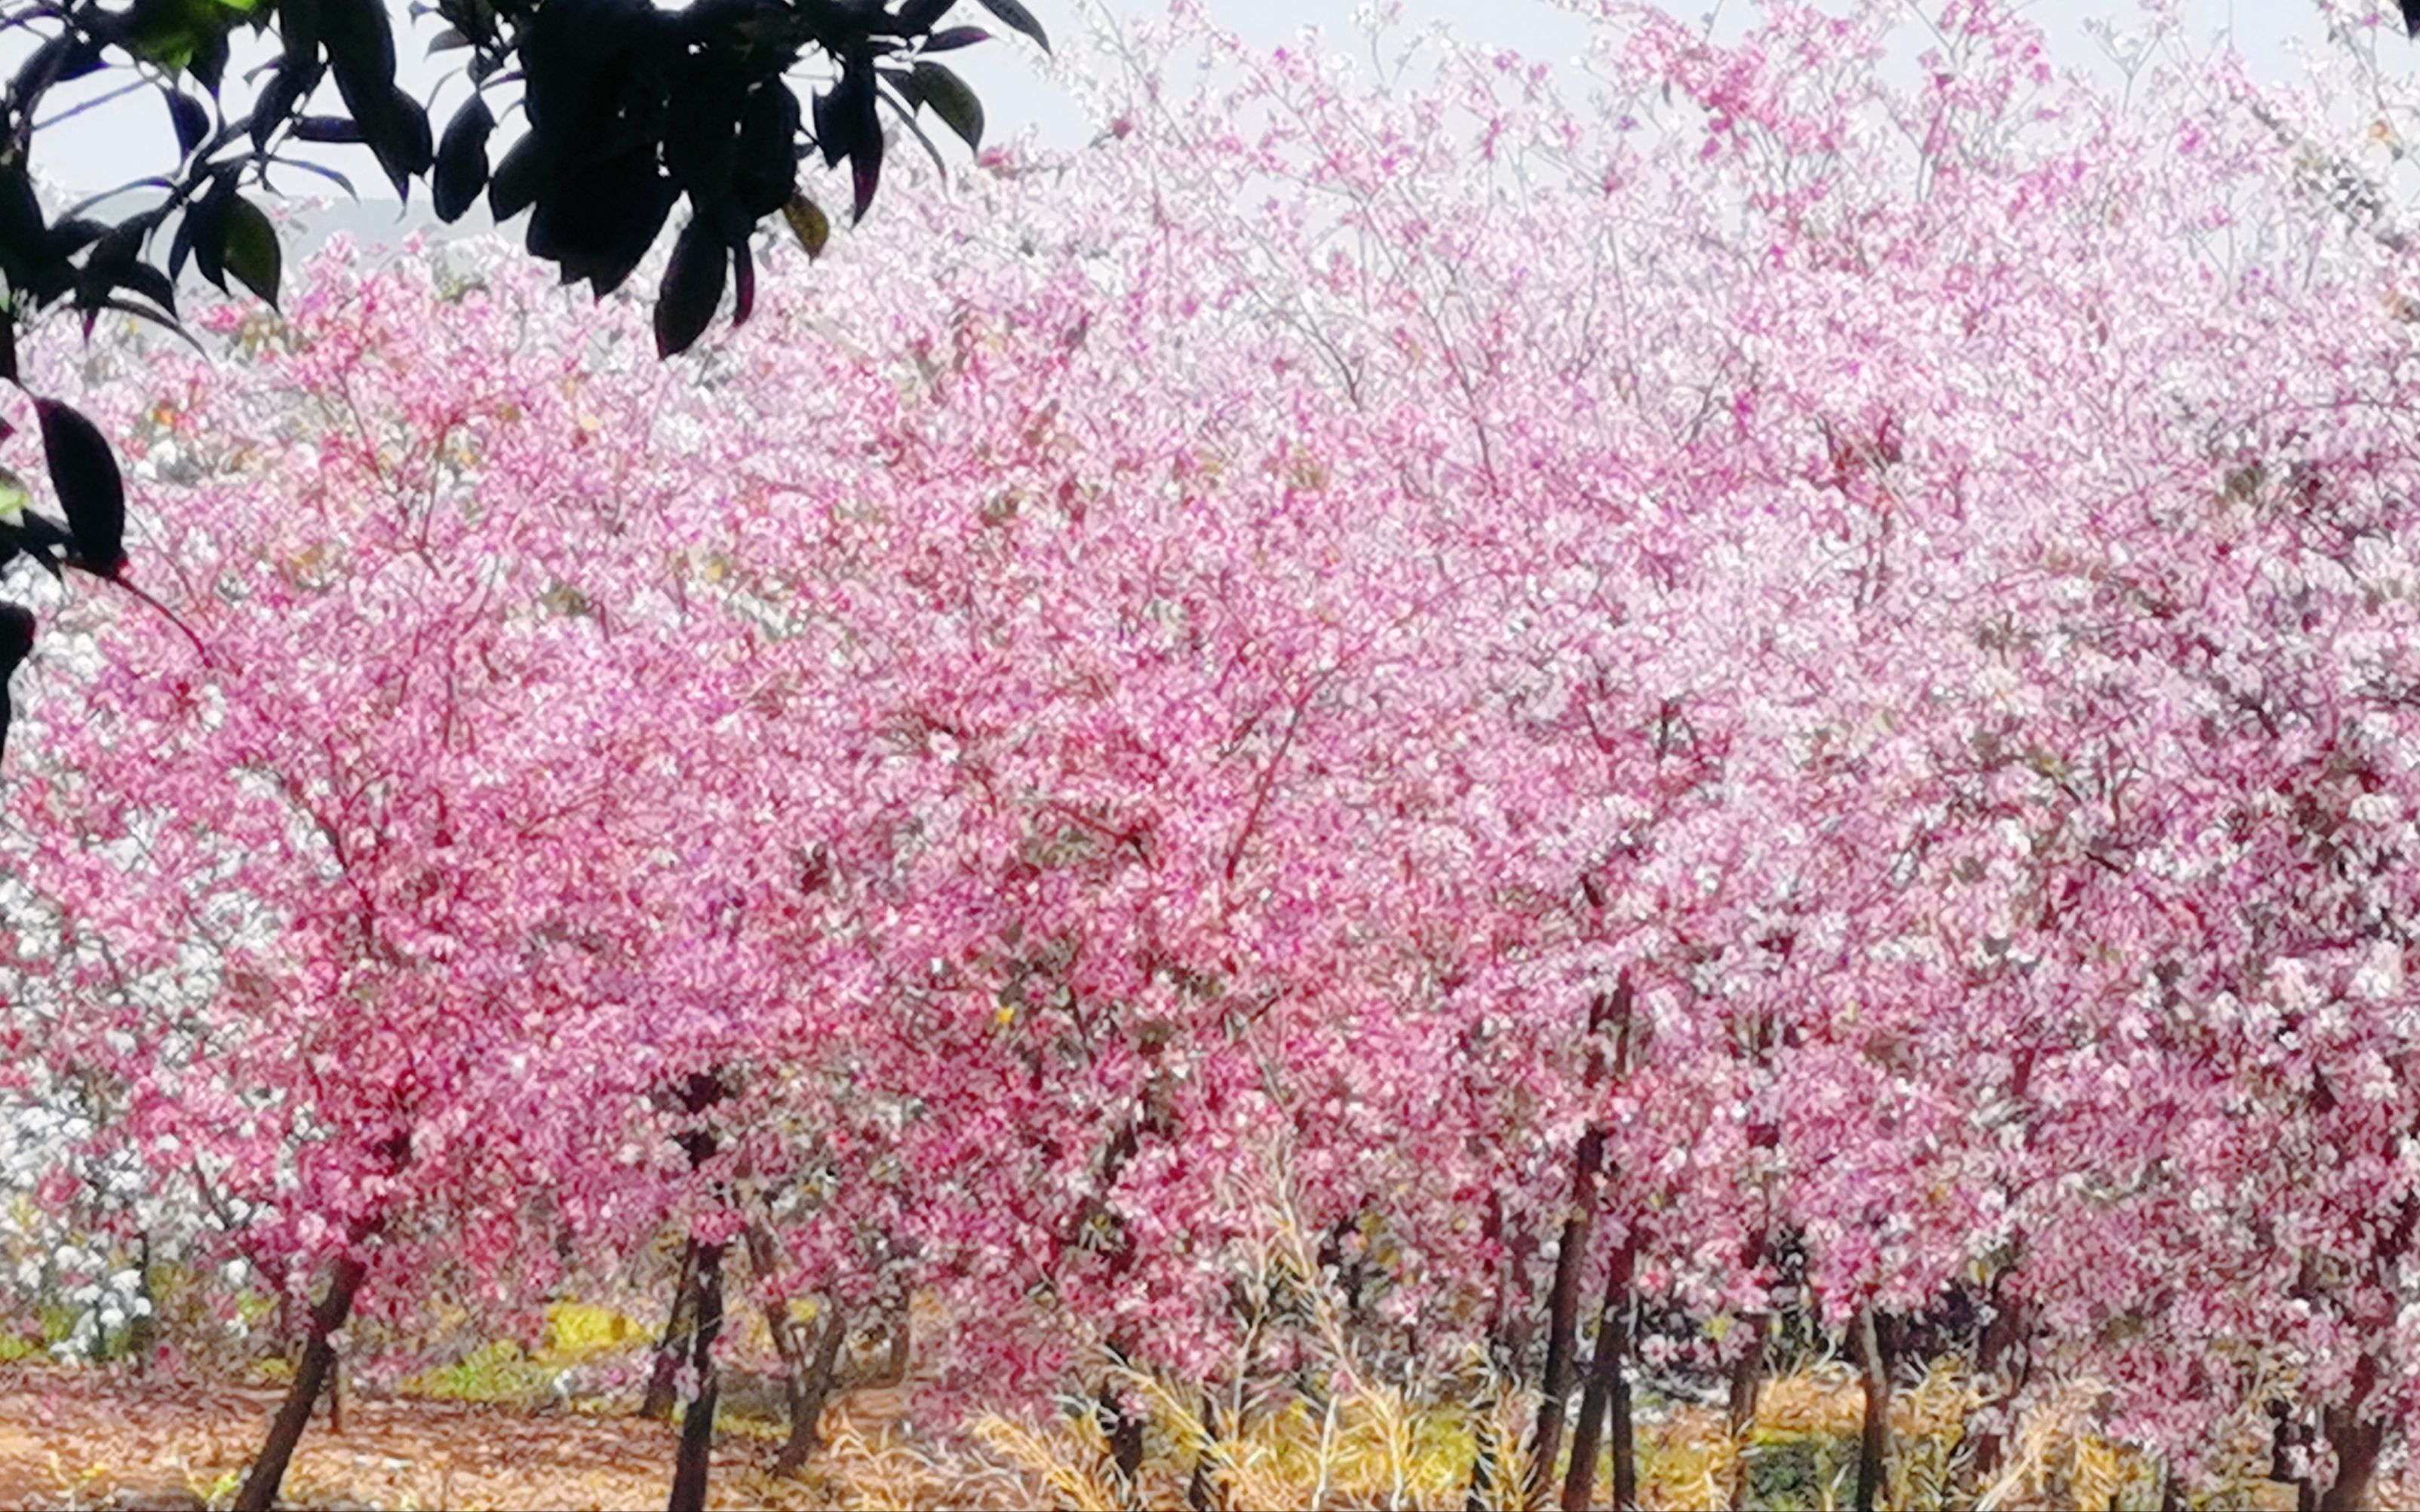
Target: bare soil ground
[{"x": 92, "y": 1439}]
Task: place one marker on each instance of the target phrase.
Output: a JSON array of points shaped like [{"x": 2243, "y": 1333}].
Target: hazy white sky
[{"x": 128, "y": 138}]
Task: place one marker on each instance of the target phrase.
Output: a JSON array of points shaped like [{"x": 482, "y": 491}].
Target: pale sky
[{"x": 128, "y": 138}]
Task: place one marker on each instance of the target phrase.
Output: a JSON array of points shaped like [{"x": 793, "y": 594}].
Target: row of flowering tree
[{"x": 1782, "y": 692}]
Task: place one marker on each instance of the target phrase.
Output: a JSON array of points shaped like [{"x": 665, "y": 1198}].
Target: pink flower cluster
[{"x": 1183, "y": 678}]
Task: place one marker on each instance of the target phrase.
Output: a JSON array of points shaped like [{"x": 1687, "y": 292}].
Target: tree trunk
[
  {"x": 2000, "y": 1357},
  {"x": 807, "y": 1410},
  {"x": 1747, "y": 1379},
  {"x": 1604, "y": 1405},
  {"x": 2285, "y": 1435},
  {"x": 1562, "y": 1317},
  {"x": 804, "y": 1380},
  {"x": 2356, "y": 1432},
  {"x": 658, "y": 1403},
  {"x": 1124, "y": 1431},
  {"x": 1606, "y": 1010},
  {"x": 698, "y": 1422},
  {"x": 1874, "y": 1448},
  {"x": 259, "y": 1490}
]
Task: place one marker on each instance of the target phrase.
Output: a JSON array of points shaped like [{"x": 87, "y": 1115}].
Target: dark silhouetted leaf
[
  {"x": 16, "y": 644},
  {"x": 34, "y": 535},
  {"x": 75, "y": 233},
  {"x": 2411, "y": 18},
  {"x": 329, "y": 129},
  {"x": 692, "y": 287},
  {"x": 85, "y": 476},
  {"x": 299, "y": 31},
  {"x": 152, "y": 283},
  {"x": 836, "y": 119},
  {"x": 579, "y": 59},
  {"x": 463, "y": 160},
  {"x": 207, "y": 222},
  {"x": 208, "y": 63},
  {"x": 181, "y": 246},
  {"x": 907, "y": 119},
  {"x": 599, "y": 219},
  {"x": 1015, "y": 15},
  {"x": 767, "y": 162},
  {"x": 21, "y": 213},
  {"x": 956, "y": 37},
  {"x": 808, "y": 224},
  {"x": 248, "y": 248},
  {"x": 449, "y": 40},
  {"x": 275, "y": 103},
  {"x": 853, "y": 110},
  {"x": 514, "y": 185},
  {"x": 865, "y": 171},
  {"x": 145, "y": 311},
  {"x": 113, "y": 254},
  {"x": 916, "y": 17},
  {"x": 397, "y": 132},
  {"x": 700, "y": 142},
  {"x": 743, "y": 284},
  {"x": 949, "y": 98},
  {"x": 361, "y": 49},
  {"x": 26, "y": 257},
  {"x": 475, "y": 19},
  {"x": 7, "y": 349},
  {"x": 633, "y": 236},
  {"x": 191, "y": 120},
  {"x": 68, "y": 56}
]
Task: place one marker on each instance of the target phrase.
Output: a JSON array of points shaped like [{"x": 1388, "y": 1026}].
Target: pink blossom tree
[{"x": 1823, "y": 681}]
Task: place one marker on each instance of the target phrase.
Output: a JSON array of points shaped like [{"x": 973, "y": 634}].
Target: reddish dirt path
[{"x": 90, "y": 1438}]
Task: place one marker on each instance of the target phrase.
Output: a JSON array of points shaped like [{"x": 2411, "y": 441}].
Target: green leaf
[
  {"x": 173, "y": 33},
  {"x": 1017, "y": 16},
  {"x": 809, "y": 224},
  {"x": 947, "y": 96},
  {"x": 14, "y": 497},
  {"x": 248, "y": 248}
]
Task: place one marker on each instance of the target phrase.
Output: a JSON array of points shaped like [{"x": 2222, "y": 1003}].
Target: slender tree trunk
[
  {"x": 143, "y": 1330},
  {"x": 1606, "y": 1011},
  {"x": 336, "y": 1397},
  {"x": 804, "y": 1380},
  {"x": 1999, "y": 1357},
  {"x": 2285, "y": 1435},
  {"x": 697, "y": 1422},
  {"x": 1747, "y": 1379},
  {"x": 1124, "y": 1431},
  {"x": 807, "y": 1413},
  {"x": 1562, "y": 1317},
  {"x": 259, "y": 1490},
  {"x": 658, "y": 1403},
  {"x": 1874, "y": 1448},
  {"x": 1605, "y": 1404},
  {"x": 2356, "y": 1432}
]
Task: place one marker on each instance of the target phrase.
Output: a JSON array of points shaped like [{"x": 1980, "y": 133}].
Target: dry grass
[
  {"x": 1343, "y": 1436},
  {"x": 90, "y": 1438}
]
